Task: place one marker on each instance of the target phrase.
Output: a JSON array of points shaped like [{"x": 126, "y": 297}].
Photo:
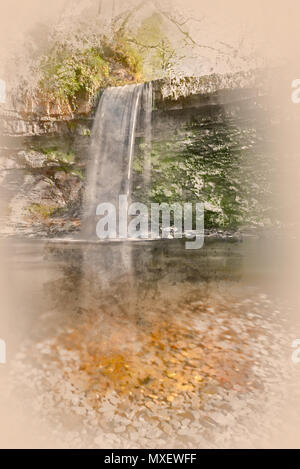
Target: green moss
[
  {"x": 55, "y": 155},
  {"x": 61, "y": 161},
  {"x": 79, "y": 173},
  {"x": 85, "y": 132},
  {"x": 225, "y": 166},
  {"x": 41, "y": 211}
]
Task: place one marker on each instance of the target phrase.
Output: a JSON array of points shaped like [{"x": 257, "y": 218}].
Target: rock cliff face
[
  {"x": 43, "y": 155},
  {"x": 30, "y": 115},
  {"x": 184, "y": 92}
]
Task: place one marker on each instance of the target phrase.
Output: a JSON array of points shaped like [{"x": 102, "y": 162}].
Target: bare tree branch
[
  {"x": 144, "y": 46},
  {"x": 189, "y": 40}
]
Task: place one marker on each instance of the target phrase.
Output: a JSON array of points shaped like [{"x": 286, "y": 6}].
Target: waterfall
[
  {"x": 120, "y": 111},
  {"x": 112, "y": 145},
  {"x": 147, "y": 107}
]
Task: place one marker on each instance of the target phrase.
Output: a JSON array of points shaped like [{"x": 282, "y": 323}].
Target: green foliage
[
  {"x": 78, "y": 63},
  {"x": 71, "y": 74},
  {"x": 120, "y": 51}
]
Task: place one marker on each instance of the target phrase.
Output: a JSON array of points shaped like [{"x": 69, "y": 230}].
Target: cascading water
[
  {"x": 147, "y": 107},
  {"x": 113, "y": 136},
  {"x": 119, "y": 111}
]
